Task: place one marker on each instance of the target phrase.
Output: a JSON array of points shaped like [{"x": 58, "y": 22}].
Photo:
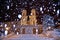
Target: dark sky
[{"x": 9, "y": 9}]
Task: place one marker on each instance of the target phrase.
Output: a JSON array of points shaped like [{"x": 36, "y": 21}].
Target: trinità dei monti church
[{"x": 28, "y": 23}]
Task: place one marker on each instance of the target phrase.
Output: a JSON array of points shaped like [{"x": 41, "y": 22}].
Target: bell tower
[
  {"x": 33, "y": 17},
  {"x": 24, "y": 17},
  {"x": 28, "y": 19}
]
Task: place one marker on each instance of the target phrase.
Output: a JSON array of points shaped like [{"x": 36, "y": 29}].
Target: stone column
[
  {"x": 28, "y": 30},
  {"x": 21, "y": 30}
]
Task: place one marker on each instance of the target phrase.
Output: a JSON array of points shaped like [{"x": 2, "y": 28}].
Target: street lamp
[
  {"x": 7, "y": 28},
  {"x": 6, "y": 31}
]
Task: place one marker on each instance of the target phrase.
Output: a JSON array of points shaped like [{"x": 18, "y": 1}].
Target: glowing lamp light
[
  {"x": 17, "y": 33},
  {"x": 6, "y": 32},
  {"x": 7, "y": 28}
]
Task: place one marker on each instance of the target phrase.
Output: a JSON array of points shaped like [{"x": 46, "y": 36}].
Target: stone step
[{"x": 28, "y": 37}]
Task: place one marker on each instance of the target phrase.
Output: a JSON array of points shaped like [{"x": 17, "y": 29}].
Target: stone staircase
[{"x": 27, "y": 37}]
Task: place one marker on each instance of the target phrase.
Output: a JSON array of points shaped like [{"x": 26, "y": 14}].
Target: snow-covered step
[{"x": 28, "y": 37}]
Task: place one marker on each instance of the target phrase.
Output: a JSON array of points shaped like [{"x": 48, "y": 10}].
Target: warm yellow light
[{"x": 7, "y": 28}]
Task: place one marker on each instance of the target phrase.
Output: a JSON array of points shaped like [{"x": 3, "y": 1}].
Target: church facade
[
  {"x": 27, "y": 24},
  {"x": 28, "y": 19}
]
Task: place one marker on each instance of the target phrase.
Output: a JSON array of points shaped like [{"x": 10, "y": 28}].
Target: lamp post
[{"x": 6, "y": 31}]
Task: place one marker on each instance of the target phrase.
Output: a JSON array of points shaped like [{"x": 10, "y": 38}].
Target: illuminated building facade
[{"x": 28, "y": 19}]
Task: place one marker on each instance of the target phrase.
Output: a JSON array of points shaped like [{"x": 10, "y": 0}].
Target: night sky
[{"x": 10, "y": 9}]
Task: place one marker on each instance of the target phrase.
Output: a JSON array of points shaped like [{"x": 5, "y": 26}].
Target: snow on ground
[
  {"x": 27, "y": 37},
  {"x": 53, "y": 33},
  {"x": 49, "y": 35}
]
